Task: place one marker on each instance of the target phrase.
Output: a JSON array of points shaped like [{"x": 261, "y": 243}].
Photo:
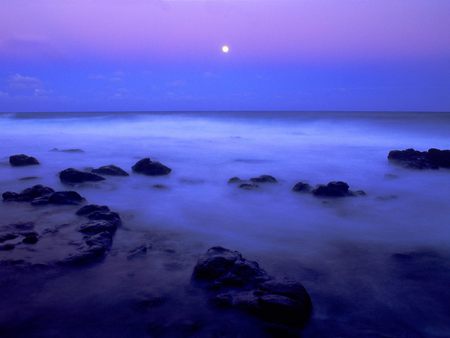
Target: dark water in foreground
[{"x": 342, "y": 250}]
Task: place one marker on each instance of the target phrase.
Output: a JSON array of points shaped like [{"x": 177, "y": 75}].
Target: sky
[{"x": 127, "y": 55}]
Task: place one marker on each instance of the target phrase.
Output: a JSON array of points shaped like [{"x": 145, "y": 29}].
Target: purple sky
[{"x": 166, "y": 55}]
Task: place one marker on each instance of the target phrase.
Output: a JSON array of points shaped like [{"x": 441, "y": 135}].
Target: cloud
[{"x": 22, "y": 85}]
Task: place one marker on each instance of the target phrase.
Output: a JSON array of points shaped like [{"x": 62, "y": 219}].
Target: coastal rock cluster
[
  {"x": 98, "y": 230},
  {"x": 236, "y": 282},
  {"x": 411, "y": 158},
  {"x": 253, "y": 182},
  {"x": 332, "y": 189}
]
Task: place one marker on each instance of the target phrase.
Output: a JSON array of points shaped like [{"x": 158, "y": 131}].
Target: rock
[
  {"x": 301, "y": 187},
  {"x": 23, "y": 226},
  {"x": 411, "y": 158},
  {"x": 28, "y": 178},
  {"x": 151, "y": 168},
  {"x": 65, "y": 197},
  {"x": 248, "y": 186},
  {"x": 264, "y": 179},
  {"x": 70, "y": 150},
  {"x": 73, "y": 176},
  {"x": 7, "y": 236},
  {"x": 28, "y": 194},
  {"x": 90, "y": 208},
  {"x": 105, "y": 216},
  {"x": 332, "y": 189},
  {"x": 101, "y": 239},
  {"x": 242, "y": 284},
  {"x": 85, "y": 255},
  {"x": 222, "y": 267},
  {"x": 160, "y": 186},
  {"x": 7, "y": 247},
  {"x": 235, "y": 179},
  {"x": 111, "y": 170},
  {"x": 30, "y": 238},
  {"x": 22, "y": 160},
  {"x": 98, "y": 226}
]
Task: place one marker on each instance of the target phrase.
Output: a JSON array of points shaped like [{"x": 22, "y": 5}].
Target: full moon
[{"x": 225, "y": 49}]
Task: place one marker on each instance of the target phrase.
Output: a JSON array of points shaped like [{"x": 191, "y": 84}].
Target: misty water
[{"x": 341, "y": 250}]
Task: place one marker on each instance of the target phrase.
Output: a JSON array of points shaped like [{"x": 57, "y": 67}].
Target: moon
[{"x": 225, "y": 49}]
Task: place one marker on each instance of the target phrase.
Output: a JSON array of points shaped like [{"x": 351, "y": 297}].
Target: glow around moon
[{"x": 225, "y": 49}]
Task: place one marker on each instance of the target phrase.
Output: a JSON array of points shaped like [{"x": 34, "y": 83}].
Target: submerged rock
[
  {"x": 7, "y": 247},
  {"x": 70, "y": 150},
  {"x": 235, "y": 179},
  {"x": 301, "y": 187},
  {"x": 264, "y": 179},
  {"x": 22, "y": 160},
  {"x": 30, "y": 238},
  {"x": 7, "y": 236},
  {"x": 109, "y": 216},
  {"x": 248, "y": 186},
  {"x": 411, "y": 158},
  {"x": 140, "y": 251},
  {"x": 73, "y": 176},
  {"x": 90, "y": 208},
  {"x": 41, "y": 195},
  {"x": 240, "y": 283},
  {"x": 336, "y": 189},
  {"x": 98, "y": 226},
  {"x": 151, "y": 168},
  {"x": 111, "y": 170}
]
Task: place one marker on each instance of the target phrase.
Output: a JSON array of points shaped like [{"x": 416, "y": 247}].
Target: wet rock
[
  {"x": 221, "y": 267},
  {"x": 7, "y": 247},
  {"x": 111, "y": 170},
  {"x": 98, "y": 226},
  {"x": 30, "y": 238},
  {"x": 7, "y": 236},
  {"x": 22, "y": 160},
  {"x": 235, "y": 179},
  {"x": 23, "y": 226},
  {"x": 90, "y": 208},
  {"x": 335, "y": 189},
  {"x": 110, "y": 216},
  {"x": 104, "y": 239},
  {"x": 151, "y": 168},
  {"x": 248, "y": 186},
  {"x": 65, "y": 197},
  {"x": 85, "y": 255},
  {"x": 301, "y": 187},
  {"x": 242, "y": 284},
  {"x": 28, "y": 194},
  {"x": 70, "y": 150},
  {"x": 73, "y": 176},
  {"x": 411, "y": 158},
  {"x": 28, "y": 178},
  {"x": 160, "y": 186},
  {"x": 264, "y": 179}
]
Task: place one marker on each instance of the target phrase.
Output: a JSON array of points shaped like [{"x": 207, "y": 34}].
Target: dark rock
[
  {"x": 235, "y": 179},
  {"x": 264, "y": 179},
  {"x": 221, "y": 267},
  {"x": 73, "y": 176},
  {"x": 7, "y": 236},
  {"x": 28, "y": 178},
  {"x": 22, "y": 160},
  {"x": 248, "y": 186},
  {"x": 85, "y": 255},
  {"x": 28, "y": 194},
  {"x": 160, "y": 186},
  {"x": 301, "y": 187},
  {"x": 23, "y": 226},
  {"x": 151, "y": 168},
  {"x": 332, "y": 189},
  {"x": 73, "y": 150},
  {"x": 243, "y": 284},
  {"x": 7, "y": 247},
  {"x": 105, "y": 216},
  {"x": 98, "y": 226},
  {"x": 65, "y": 197},
  {"x": 101, "y": 239},
  {"x": 111, "y": 170},
  {"x": 411, "y": 158},
  {"x": 30, "y": 238},
  {"x": 90, "y": 208}
]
